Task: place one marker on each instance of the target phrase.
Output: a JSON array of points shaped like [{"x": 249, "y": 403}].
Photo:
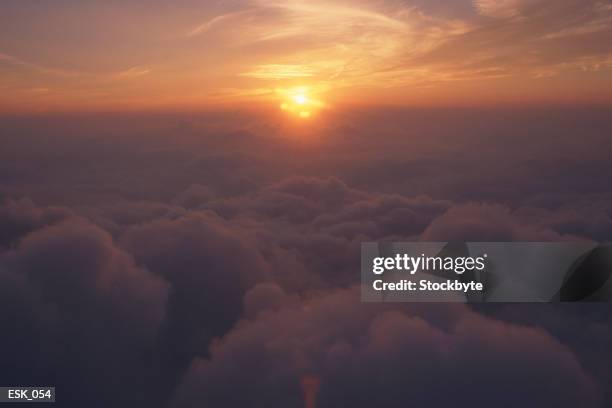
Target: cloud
[
  {"x": 132, "y": 72},
  {"x": 311, "y": 228},
  {"x": 330, "y": 205},
  {"x": 374, "y": 354},
  {"x": 191, "y": 249},
  {"x": 36, "y": 67},
  {"x": 215, "y": 21},
  {"x": 20, "y": 217},
  {"x": 78, "y": 313},
  {"x": 499, "y": 8},
  {"x": 280, "y": 71},
  {"x": 552, "y": 36},
  {"x": 195, "y": 196},
  {"x": 488, "y": 223},
  {"x": 400, "y": 44},
  {"x": 209, "y": 267}
]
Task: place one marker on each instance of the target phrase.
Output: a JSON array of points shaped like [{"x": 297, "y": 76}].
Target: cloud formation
[
  {"x": 176, "y": 252},
  {"x": 366, "y": 354},
  {"x": 79, "y": 313}
]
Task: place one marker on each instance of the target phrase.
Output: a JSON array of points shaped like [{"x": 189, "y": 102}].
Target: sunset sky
[
  {"x": 185, "y": 188},
  {"x": 112, "y": 55}
]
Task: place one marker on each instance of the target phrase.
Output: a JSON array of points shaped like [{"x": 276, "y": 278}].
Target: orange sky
[{"x": 89, "y": 55}]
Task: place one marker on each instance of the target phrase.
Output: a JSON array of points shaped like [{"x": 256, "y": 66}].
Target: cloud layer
[
  {"x": 211, "y": 259},
  {"x": 364, "y": 355}
]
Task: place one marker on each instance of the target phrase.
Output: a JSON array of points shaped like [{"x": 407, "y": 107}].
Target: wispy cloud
[
  {"x": 36, "y": 67},
  {"x": 214, "y": 22},
  {"x": 386, "y": 44},
  {"x": 365, "y": 45},
  {"x": 280, "y": 71},
  {"x": 132, "y": 72},
  {"x": 499, "y": 8}
]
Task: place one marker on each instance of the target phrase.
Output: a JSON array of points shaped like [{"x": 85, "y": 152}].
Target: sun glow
[
  {"x": 300, "y": 102},
  {"x": 300, "y": 99}
]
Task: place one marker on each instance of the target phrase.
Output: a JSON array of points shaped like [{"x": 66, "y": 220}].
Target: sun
[
  {"x": 300, "y": 99},
  {"x": 299, "y": 102}
]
